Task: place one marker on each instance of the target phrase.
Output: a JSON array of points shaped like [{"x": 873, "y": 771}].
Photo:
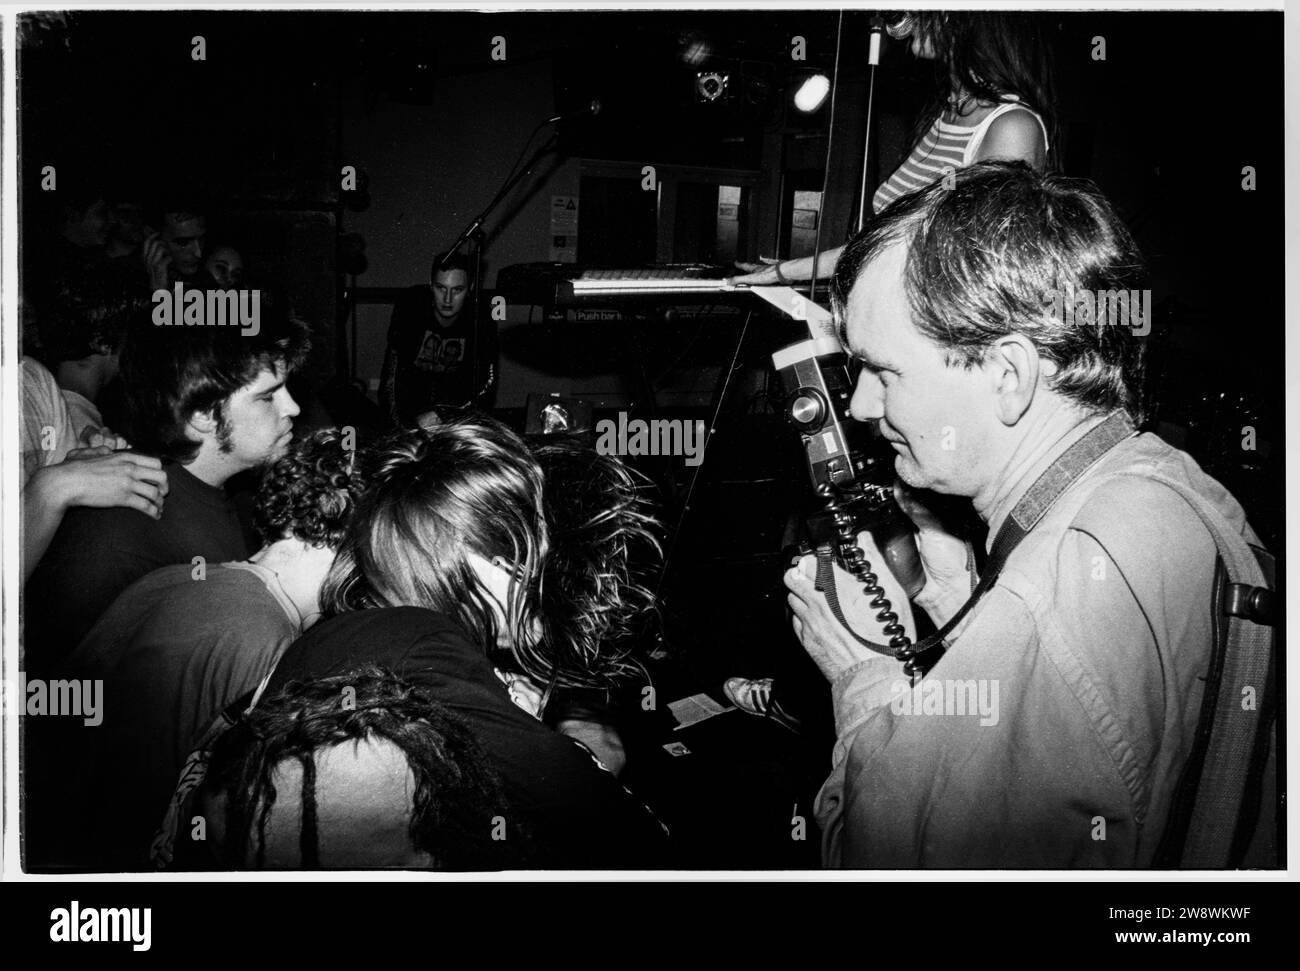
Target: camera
[
  {"x": 815, "y": 382},
  {"x": 817, "y": 390}
]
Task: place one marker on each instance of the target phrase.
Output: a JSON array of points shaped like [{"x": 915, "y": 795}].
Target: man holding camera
[{"x": 1054, "y": 730}]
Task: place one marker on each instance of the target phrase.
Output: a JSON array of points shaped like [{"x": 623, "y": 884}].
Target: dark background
[{"x": 1164, "y": 125}]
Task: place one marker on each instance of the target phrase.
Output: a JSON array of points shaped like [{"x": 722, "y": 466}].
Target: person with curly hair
[
  {"x": 468, "y": 571},
  {"x": 185, "y": 641},
  {"x": 361, "y": 771}
]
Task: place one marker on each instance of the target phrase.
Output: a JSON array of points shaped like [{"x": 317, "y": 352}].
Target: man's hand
[
  {"x": 95, "y": 476},
  {"x": 102, "y": 478},
  {"x": 93, "y": 438},
  {"x": 831, "y": 647},
  {"x": 945, "y": 558},
  {"x": 157, "y": 261}
]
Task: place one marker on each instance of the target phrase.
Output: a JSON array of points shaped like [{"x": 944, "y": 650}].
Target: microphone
[{"x": 591, "y": 109}]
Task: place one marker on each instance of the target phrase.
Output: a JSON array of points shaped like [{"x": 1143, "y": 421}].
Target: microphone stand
[
  {"x": 873, "y": 60},
  {"x": 475, "y": 231}
]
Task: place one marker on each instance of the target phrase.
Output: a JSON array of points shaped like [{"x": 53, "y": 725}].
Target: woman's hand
[{"x": 760, "y": 274}]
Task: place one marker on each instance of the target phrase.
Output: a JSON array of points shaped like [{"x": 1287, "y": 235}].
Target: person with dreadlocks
[
  {"x": 460, "y": 576},
  {"x": 360, "y": 771}
]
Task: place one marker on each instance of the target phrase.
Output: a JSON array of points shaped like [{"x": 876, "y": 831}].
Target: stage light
[
  {"x": 711, "y": 85},
  {"x": 696, "y": 53},
  {"x": 694, "y": 47},
  {"x": 812, "y": 93}
]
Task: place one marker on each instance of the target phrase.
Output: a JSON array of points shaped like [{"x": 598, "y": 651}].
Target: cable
[
  {"x": 826, "y": 173},
  {"x": 713, "y": 423}
]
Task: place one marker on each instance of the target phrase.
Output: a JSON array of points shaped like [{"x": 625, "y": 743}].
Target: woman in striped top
[{"x": 994, "y": 101}]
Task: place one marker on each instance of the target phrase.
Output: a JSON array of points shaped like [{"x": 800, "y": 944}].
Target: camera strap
[{"x": 1031, "y": 508}]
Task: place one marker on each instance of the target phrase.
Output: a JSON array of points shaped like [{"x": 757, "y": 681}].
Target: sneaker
[{"x": 754, "y": 697}]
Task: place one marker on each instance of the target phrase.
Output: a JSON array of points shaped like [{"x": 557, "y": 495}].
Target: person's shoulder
[
  {"x": 1140, "y": 485},
  {"x": 113, "y": 529},
  {"x": 1015, "y": 133},
  {"x": 217, "y": 585},
  {"x": 1018, "y": 120},
  {"x": 160, "y": 590},
  {"x": 41, "y": 399},
  {"x": 382, "y": 635},
  {"x": 381, "y": 621},
  {"x": 1133, "y": 513},
  {"x": 37, "y": 374},
  {"x": 147, "y": 596}
]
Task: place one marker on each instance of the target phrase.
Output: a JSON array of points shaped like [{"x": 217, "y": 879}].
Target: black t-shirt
[
  {"x": 578, "y": 814},
  {"x": 98, "y": 553},
  {"x": 431, "y": 364}
]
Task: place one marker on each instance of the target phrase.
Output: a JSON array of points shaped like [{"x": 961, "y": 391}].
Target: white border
[{"x": 9, "y": 514}]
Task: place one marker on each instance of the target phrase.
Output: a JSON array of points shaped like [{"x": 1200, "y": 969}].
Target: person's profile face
[
  {"x": 258, "y": 424},
  {"x": 184, "y": 233},
  {"x": 932, "y": 415},
  {"x": 499, "y": 578},
  {"x": 449, "y": 289}
]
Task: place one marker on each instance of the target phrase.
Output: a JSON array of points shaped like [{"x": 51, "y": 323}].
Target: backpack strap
[{"x": 1217, "y": 803}]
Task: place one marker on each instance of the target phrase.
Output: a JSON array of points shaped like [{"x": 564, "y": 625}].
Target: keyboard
[
  {"x": 570, "y": 285},
  {"x": 664, "y": 279}
]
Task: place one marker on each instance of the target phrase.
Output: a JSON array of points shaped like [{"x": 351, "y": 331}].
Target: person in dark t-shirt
[
  {"x": 439, "y": 356},
  {"x": 210, "y": 402},
  {"x": 396, "y": 781},
  {"x": 180, "y": 650},
  {"x": 575, "y": 814},
  {"x": 442, "y": 579}
]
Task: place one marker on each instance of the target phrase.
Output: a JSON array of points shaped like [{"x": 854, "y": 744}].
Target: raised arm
[{"x": 782, "y": 272}]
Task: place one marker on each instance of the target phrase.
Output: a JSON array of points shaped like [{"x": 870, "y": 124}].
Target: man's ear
[
  {"x": 1014, "y": 368},
  {"x": 203, "y": 423}
]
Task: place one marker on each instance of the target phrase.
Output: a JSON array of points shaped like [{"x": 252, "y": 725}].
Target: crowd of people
[
  {"x": 396, "y": 652},
  {"x": 393, "y": 654}
]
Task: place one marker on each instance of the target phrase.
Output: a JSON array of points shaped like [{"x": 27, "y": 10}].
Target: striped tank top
[{"x": 944, "y": 147}]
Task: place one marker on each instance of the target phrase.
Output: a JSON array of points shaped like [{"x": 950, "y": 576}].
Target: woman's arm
[{"x": 783, "y": 272}]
